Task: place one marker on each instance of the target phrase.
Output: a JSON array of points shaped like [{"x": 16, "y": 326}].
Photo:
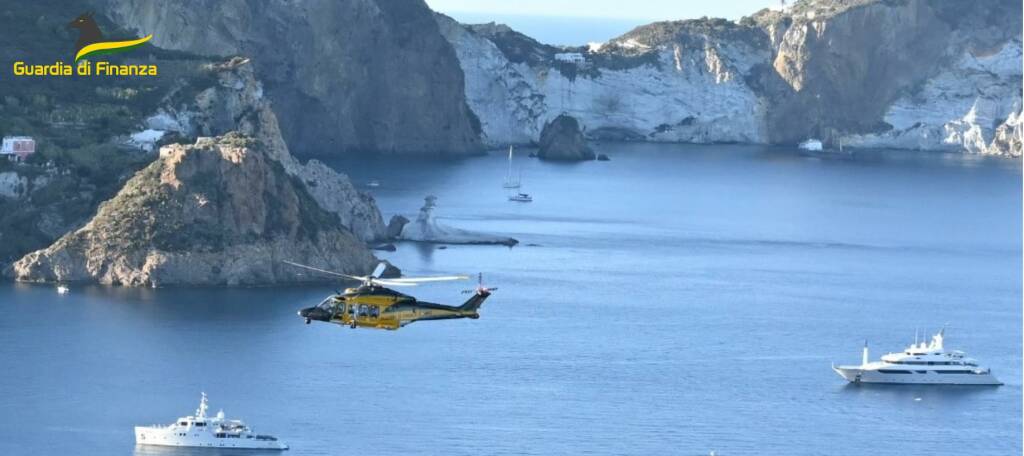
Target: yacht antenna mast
[{"x": 201, "y": 411}]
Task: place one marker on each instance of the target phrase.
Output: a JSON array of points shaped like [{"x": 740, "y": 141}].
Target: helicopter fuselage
[{"x": 373, "y": 306}]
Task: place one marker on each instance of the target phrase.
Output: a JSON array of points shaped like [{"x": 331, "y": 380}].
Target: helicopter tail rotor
[
  {"x": 480, "y": 288},
  {"x": 474, "y": 302}
]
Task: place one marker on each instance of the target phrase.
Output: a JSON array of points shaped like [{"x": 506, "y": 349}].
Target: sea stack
[
  {"x": 426, "y": 228},
  {"x": 563, "y": 140}
]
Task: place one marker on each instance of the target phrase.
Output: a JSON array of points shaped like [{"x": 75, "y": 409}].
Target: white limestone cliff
[
  {"x": 919, "y": 74},
  {"x": 690, "y": 94},
  {"x": 960, "y": 109}
]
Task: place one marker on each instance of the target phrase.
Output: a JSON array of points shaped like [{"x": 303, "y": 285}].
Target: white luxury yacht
[
  {"x": 203, "y": 431},
  {"x": 920, "y": 363}
]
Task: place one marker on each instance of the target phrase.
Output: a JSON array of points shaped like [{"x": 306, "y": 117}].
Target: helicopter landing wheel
[{"x": 308, "y": 321}]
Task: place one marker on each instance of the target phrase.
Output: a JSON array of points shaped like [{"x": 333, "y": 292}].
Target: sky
[{"x": 576, "y": 22}]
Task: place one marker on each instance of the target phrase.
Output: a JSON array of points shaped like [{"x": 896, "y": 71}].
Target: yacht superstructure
[
  {"x": 920, "y": 363},
  {"x": 200, "y": 430}
]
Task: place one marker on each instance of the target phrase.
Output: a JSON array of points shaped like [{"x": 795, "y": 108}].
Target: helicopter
[{"x": 373, "y": 305}]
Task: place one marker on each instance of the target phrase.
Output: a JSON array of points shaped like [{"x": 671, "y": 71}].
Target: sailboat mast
[{"x": 510, "y": 163}]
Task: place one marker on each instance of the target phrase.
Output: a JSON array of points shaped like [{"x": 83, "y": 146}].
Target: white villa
[
  {"x": 18, "y": 148},
  {"x": 570, "y": 57}
]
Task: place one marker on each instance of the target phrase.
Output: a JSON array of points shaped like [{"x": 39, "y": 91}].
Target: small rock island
[
  {"x": 426, "y": 229},
  {"x": 562, "y": 139}
]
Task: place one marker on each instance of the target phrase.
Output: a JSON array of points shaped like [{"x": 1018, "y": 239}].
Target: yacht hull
[
  {"x": 855, "y": 374},
  {"x": 155, "y": 436}
]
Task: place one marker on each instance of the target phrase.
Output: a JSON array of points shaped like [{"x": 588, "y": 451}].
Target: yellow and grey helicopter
[{"x": 373, "y": 305}]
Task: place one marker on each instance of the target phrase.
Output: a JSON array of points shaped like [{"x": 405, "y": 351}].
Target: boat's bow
[{"x": 850, "y": 373}]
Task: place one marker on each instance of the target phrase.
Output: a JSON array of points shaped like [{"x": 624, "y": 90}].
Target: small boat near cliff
[
  {"x": 521, "y": 197},
  {"x": 811, "y": 145}
]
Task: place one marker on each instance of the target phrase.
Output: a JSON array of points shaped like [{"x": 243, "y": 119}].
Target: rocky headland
[
  {"x": 222, "y": 211},
  {"x": 92, "y": 142}
]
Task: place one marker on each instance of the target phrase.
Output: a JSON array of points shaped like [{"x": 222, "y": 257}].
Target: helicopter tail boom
[{"x": 477, "y": 300}]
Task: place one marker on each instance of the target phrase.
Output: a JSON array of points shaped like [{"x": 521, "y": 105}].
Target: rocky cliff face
[
  {"x": 917, "y": 74},
  {"x": 922, "y": 74},
  {"x": 221, "y": 211},
  {"x": 237, "y": 103},
  {"x": 86, "y": 129},
  {"x": 345, "y": 77},
  {"x": 690, "y": 89}
]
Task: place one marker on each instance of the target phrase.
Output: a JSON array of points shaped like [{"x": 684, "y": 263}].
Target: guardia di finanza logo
[{"x": 88, "y": 47}]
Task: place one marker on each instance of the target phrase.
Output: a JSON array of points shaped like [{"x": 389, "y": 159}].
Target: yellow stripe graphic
[{"x": 109, "y": 47}]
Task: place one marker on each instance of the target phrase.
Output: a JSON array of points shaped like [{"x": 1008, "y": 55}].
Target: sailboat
[{"x": 511, "y": 182}]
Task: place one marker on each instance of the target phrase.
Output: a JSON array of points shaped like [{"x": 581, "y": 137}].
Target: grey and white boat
[{"x": 203, "y": 431}]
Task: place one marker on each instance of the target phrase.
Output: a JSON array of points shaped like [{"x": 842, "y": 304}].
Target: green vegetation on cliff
[{"x": 76, "y": 120}]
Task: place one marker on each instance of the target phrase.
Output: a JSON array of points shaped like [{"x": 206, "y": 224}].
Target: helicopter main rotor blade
[
  {"x": 392, "y": 283},
  {"x": 429, "y": 279},
  {"x": 324, "y": 271}
]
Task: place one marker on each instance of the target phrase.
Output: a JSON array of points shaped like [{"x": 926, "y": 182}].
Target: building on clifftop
[{"x": 18, "y": 148}]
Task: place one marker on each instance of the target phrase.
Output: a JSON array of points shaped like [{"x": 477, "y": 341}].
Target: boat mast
[
  {"x": 864, "y": 356},
  {"x": 509, "y": 176},
  {"x": 201, "y": 411}
]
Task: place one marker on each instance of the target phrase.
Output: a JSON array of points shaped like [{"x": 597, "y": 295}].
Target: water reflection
[
  {"x": 152, "y": 450},
  {"x": 943, "y": 394}
]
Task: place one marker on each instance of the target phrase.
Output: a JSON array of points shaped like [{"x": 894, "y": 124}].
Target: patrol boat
[
  {"x": 920, "y": 363},
  {"x": 206, "y": 432}
]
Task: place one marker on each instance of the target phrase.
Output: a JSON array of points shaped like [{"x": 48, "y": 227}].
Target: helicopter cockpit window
[{"x": 327, "y": 304}]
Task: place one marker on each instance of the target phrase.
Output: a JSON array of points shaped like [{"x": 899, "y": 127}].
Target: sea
[{"x": 675, "y": 300}]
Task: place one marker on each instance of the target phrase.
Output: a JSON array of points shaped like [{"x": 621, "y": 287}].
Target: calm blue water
[{"x": 676, "y": 300}]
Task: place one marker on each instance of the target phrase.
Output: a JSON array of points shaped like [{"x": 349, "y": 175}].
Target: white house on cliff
[{"x": 18, "y": 148}]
